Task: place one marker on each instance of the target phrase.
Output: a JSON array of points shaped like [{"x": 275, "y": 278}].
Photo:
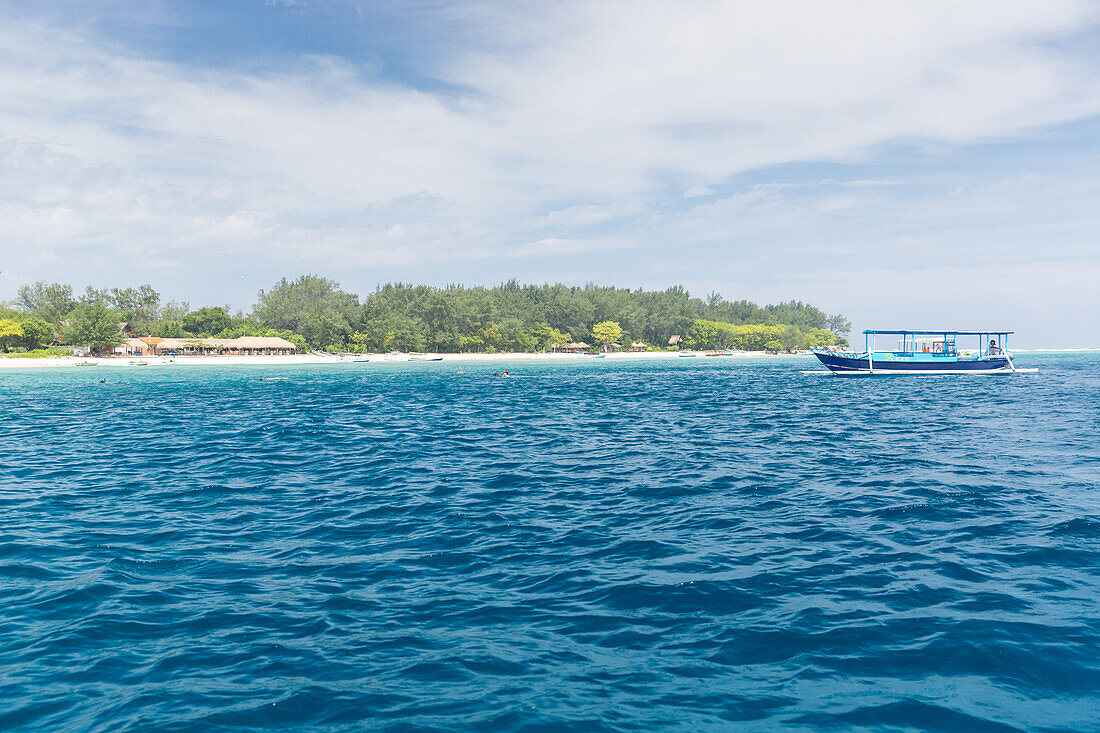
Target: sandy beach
[{"x": 300, "y": 359}]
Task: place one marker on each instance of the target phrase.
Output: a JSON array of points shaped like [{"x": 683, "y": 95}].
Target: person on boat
[{"x": 993, "y": 347}]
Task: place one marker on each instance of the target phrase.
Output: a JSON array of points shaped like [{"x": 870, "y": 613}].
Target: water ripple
[{"x": 591, "y": 547}]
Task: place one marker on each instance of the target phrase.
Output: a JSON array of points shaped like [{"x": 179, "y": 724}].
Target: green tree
[
  {"x": 49, "y": 301},
  {"x": 96, "y": 295},
  {"x": 206, "y": 321},
  {"x": 140, "y": 306},
  {"x": 169, "y": 329},
  {"x": 510, "y": 316},
  {"x": 10, "y": 332},
  {"x": 607, "y": 332},
  {"x": 839, "y": 325},
  {"x": 93, "y": 324},
  {"x": 313, "y": 306},
  {"x": 37, "y": 334},
  {"x": 703, "y": 335},
  {"x": 174, "y": 311},
  {"x": 407, "y": 334},
  {"x": 548, "y": 336}
]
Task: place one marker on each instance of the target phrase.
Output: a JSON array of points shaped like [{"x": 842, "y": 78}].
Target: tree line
[{"x": 315, "y": 312}]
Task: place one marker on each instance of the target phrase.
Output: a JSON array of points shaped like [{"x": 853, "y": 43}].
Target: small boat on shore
[
  {"x": 924, "y": 352},
  {"x": 687, "y": 354},
  {"x": 718, "y": 353},
  {"x": 425, "y": 358}
]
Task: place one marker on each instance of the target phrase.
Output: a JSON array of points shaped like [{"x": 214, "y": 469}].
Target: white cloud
[{"x": 595, "y": 115}]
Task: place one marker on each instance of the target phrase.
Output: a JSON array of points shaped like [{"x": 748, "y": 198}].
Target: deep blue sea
[{"x": 697, "y": 545}]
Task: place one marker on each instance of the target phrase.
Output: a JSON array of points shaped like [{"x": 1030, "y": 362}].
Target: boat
[
  {"x": 933, "y": 351},
  {"x": 686, "y": 354},
  {"x": 360, "y": 361},
  {"x": 718, "y": 353},
  {"x": 425, "y": 358}
]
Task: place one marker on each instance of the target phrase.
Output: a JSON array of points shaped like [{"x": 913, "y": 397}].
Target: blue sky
[{"x": 905, "y": 164}]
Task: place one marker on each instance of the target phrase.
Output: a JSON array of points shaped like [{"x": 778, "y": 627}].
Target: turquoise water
[{"x": 694, "y": 545}]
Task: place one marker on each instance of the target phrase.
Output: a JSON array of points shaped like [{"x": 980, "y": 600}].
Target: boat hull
[{"x": 860, "y": 365}]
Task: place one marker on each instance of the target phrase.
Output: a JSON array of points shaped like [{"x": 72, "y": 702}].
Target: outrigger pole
[{"x": 1008, "y": 357}]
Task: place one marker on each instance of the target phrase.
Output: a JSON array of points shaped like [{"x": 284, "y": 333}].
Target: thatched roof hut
[
  {"x": 675, "y": 340},
  {"x": 243, "y": 346},
  {"x": 638, "y": 346}
]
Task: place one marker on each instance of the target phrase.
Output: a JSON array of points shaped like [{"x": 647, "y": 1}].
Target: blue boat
[{"x": 924, "y": 352}]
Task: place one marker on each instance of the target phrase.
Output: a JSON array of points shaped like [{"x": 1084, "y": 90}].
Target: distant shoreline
[{"x": 303, "y": 359}]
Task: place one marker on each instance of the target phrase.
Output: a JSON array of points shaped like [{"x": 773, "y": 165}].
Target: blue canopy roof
[{"x": 944, "y": 331}]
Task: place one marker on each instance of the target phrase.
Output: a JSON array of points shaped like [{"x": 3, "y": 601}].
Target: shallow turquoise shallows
[{"x": 693, "y": 545}]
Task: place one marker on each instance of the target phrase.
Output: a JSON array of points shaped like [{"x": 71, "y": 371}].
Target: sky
[{"x": 909, "y": 164}]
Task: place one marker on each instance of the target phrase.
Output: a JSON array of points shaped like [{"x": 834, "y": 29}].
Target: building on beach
[
  {"x": 638, "y": 346},
  {"x": 196, "y": 346},
  {"x": 576, "y": 347},
  {"x": 676, "y": 341}
]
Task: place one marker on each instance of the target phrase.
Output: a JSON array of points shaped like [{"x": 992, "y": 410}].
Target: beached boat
[
  {"x": 687, "y": 354},
  {"x": 924, "y": 352},
  {"x": 425, "y": 358},
  {"x": 718, "y": 353}
]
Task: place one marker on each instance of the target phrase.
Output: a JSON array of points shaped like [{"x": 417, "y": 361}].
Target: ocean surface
[{"x": 702, "y": 544}]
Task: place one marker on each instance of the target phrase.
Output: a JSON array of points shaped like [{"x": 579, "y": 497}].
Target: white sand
[{"x": 121, "y": 361}]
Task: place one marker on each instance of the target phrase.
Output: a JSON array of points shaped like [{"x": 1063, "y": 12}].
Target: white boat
[{"x": 925, "y": 352}]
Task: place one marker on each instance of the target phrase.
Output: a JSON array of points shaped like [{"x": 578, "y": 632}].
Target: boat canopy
[{"x": 940, "y": 332}]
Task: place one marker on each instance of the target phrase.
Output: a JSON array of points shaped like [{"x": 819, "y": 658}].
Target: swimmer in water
[
  {"x": 505, "y": 373},
  {"x": 495, "y": 374}
]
